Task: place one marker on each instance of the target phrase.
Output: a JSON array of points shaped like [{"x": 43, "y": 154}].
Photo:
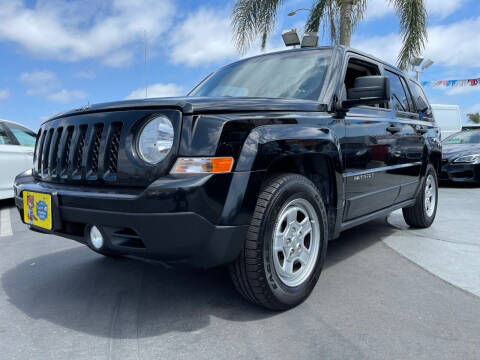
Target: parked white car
[{"x": 16, "y": 154}]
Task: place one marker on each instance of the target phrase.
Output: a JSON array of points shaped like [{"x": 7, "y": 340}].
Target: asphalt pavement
[{"x": 387, "y": 292}]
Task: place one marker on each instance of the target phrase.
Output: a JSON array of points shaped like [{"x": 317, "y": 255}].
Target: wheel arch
[
  {"x": 319, "y": 169},
  {"x": 301, "y": 149}
]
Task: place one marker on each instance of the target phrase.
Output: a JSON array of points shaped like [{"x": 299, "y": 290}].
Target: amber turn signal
[{"x": 214, "y": 165}]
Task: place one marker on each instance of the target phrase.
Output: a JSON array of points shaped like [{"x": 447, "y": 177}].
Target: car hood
[
  {"x": 196, "y": 105},
  {"x": 451, "y": 152}
]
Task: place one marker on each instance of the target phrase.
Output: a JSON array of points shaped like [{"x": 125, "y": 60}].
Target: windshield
[
  {"x": 466, "y": 137},
  {"x": 294, "y": 75}
]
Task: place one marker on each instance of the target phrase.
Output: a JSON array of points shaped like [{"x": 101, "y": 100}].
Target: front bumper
[
  {"x": 460, "y": 172},
  {"x": 174, "y": 219}
]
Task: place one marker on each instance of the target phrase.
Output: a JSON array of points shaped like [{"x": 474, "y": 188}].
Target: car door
[
  {"x": 12, "y": 161},
  {"x": 405, "y": 159},
  {"x": 366, "y": 149}
]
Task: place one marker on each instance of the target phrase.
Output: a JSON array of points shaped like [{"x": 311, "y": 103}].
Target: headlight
[
  {"x": 468, "y": 158},
  {"x": 155, "y": 140}
]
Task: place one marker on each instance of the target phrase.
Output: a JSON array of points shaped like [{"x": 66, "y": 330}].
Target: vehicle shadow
[
  {"x": 458, "y": 185},
  {"x": 128, "y": 298}
]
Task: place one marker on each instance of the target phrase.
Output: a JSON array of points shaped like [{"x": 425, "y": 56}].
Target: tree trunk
[{"x": 346, "y": 22}]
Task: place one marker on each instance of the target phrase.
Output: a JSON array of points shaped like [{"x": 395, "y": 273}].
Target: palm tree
[
  {"x": 474, "y": 118},
  {"x": 254, "y": 18}
]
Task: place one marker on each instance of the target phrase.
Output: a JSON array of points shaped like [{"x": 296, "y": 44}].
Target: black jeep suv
[{"x": 263, "y": 163}]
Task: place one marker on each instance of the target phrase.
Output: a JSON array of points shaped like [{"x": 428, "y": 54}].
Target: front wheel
[
  {"x": 286, "y": 244},
  {"x": 423, "y": 213}
]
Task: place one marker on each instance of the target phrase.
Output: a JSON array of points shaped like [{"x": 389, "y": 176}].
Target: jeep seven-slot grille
[
  {"x": 113, "y": 148},
  {"x": 75, "y": 152}
]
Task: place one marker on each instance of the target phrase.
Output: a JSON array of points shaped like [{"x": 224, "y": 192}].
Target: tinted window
[
  {"x": 296, "y": 75},
  {"x": 469, "y": 137},
  {"x": 421, "y": 102},
  {"x": 399, "y": 100},
  {"x": 4, "y": 138},
  {"x": 411, "y": 106},
  {"x": 24, "y": 136}
]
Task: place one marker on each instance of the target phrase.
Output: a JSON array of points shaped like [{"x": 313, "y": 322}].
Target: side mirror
[{"x": 368, "y": 90}]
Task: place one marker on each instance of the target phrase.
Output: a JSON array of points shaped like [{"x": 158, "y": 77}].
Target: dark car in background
[{"x": 461, "y": 157}]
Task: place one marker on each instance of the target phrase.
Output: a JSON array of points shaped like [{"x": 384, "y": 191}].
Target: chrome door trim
[{"x": 380, "y": 169}]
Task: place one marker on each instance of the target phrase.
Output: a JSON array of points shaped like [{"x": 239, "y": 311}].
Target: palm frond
[
  {"x": 334, "y": 20},
  {"x": 413, "y": 28},
  {"x": 251, "y": 19},
  {"x": 358, "y": 11},
  {"x": 318, "y": 11}
]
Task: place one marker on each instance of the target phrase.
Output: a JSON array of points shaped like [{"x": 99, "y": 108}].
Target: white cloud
[
  {"x": 443, "y": 8},
  {"x": 440, "y": 8},
  {"x": 157, "y": 90},
  {"x": 204, "y": 37},
  {"x": 46, "y": 84},
  {"x": 77, "y": 30},
  {"x": 65, "y": 96},
  {"x": 4, "y": 94},
  {"x": 87, "y": 74},
  {"x": 460, "y": 90},
  {"x": 39, "y": 82},
  {"x": 378, "y": 9},
  {"x": 455, "y": 44},
  {"x": 384, "y": 47}
]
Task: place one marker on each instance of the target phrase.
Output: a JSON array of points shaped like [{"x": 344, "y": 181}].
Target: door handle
[{"x": 393, "y": 129}]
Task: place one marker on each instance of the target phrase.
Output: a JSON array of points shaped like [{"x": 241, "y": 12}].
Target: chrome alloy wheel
[
  {"x": 296, "y": 241},
  {"x": 430, "y": 195}
]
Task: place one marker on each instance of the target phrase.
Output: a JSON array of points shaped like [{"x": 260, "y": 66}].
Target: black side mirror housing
[{"x": 368, "y": 90}]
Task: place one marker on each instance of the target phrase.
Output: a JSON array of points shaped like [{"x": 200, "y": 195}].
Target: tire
[
  {"x": 423, "y": 213},
  {"x": 259, "y": 274}
]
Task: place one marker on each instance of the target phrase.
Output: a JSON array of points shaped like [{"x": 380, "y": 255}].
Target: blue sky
[{"x": 59, "y": 54}]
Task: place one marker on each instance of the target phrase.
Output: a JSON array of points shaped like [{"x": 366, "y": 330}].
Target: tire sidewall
[
  {"x": 430, "y": 171},
  {"x": 295, "y": 188}
]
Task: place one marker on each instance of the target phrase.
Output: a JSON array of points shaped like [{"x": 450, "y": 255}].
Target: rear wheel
[
  {"x": 423, "y": 213},
  {"x": 286, "y": 244}
]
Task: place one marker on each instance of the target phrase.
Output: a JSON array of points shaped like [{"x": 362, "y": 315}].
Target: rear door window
[
  {"x": 421, "y": 102},
  {"x": 411, "y": 105},
  {"x": 399, "y": 100}
]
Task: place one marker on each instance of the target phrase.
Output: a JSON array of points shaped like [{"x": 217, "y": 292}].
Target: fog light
[{"x": 96, "y": 238}]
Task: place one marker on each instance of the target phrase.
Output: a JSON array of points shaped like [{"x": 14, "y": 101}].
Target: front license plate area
[{"x": 37, "y": 209}]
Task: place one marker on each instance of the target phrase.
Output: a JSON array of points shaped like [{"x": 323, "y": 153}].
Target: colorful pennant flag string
[{"x": 452, "y": 83}]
